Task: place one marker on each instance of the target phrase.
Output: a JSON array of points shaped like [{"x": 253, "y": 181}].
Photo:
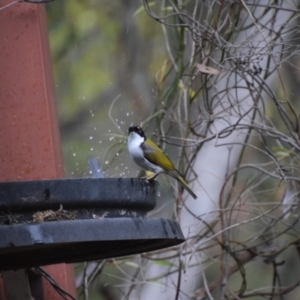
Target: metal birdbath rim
[{"x": 110, "y": 222}]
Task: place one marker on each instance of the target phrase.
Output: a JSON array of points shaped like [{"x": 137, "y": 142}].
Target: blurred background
[
  {"x": 215, "y": 84},
  {"x": 105, "y": 55}
]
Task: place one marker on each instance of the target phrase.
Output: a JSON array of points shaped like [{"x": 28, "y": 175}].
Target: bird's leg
[
  {"x": 145, "y": 178},
  {"x": 148, "y": 178},
  {"x": 151, "y": 177}
]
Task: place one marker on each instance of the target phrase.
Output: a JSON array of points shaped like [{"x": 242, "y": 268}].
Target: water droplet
[
  {"x": 106, "y": 162},
  {"x": 91, "y": 137},
  {"x": 127, "y": 114},
  {"x": 111, "y": 138},
  {"x": 92, "y": 149},
  {"x": 74, "y": 154}
]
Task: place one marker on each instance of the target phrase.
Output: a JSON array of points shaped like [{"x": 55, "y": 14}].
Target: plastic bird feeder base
[
  {"x": 105, "y": 218},
  {"x": 83, "y": 240}
]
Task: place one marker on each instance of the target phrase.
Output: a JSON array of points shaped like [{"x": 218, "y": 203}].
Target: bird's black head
[{"x": 137, "y": 129}]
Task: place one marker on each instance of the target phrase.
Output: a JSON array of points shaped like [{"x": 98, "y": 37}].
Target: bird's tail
[{"x": 182, "y": 181}]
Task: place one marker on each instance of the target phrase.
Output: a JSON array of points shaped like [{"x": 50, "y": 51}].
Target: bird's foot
[
  {"x": 145, "y": 178},
  {"x": 148, "y": 178}
]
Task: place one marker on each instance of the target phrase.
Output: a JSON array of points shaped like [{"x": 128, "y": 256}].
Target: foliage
[{"x": 223, "y": 83}]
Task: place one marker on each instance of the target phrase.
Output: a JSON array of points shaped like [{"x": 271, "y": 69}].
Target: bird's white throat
[{"x": 134, "y": 144}]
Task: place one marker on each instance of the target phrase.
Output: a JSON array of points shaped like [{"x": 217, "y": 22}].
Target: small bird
[{"x": 150, "y": 157}]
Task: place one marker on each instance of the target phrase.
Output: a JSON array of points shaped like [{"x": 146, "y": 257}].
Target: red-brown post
[{"x": 29, "y": 133}]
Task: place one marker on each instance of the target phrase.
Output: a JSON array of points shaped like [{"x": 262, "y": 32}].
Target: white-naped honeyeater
[{"x": 151, "y": 158}]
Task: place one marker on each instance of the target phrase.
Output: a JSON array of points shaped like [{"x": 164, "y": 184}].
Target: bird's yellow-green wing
[
  {"x": 178, "y": 176},
  {"x": 156, "y": 156}
]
